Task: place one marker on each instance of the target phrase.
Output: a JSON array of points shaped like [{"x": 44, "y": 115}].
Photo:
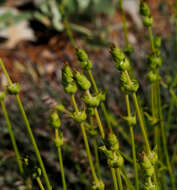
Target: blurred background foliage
[{"x": 34, "y": 45}]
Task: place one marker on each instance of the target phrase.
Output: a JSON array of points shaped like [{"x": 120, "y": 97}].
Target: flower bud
[
  {"x": 148, "y": 21},
  {"x": 14, "y": 88},
  {"x": 154, "y": 61},
  {"x": 101, "y": 96},
  {"x": 152, "y": 77},
  {"x": 117, "y": 54},
  {"x": 60, "y": 107},
  {"x": 83, "y": 58},
  {"x": 70, "y": 88},
  {"x": 147, "y": 166},
  {"x": 124, "y": 65},
  {"x": 82, "y": 81},
  {"x": 82, "y": 55},
  {"x": 112, "y": 142},
  {"x": 91, "y": 129},
  {"x": 144, "y": 9},
  {"x": 126, "y": 85},
  {"x": 130, "y": 120},
  {"x": 157, "y": 41},
  {"x": 153, "y": 120},
  {"x": 67, "y": 75},
  {"x": 116, "y": 162},
  {"x": 2, "y": 95},
  {"x": 108, "y": 153},
  {"x": 54, "y": 120},
  {"x": 79, "y": 116},
  {"x": 150, "y": 186},
  {"x": 91, "y": 101},
  {"x": 99, "y": 185},
  {"x": 153, "y": 157}
]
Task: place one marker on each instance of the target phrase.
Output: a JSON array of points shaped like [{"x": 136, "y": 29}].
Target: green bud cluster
[
  {"x": 149, "y": 162},
  {"x": 79, "y": 116},
  {"x": 82, "y": 81},
  {"x": 152, "y": 76},
  {"x": 99, "y": 185},
  {"x": 111, "y": 151},
  {"x": 60, "y": 107},
  {"x": 69, "y": 84},
  {"x": 157, "y": 41},
  {"x": 83, "y": 59},
  {"x": 145, "y": 12},
  {"x": 114, "y": 158},
  {"x": 128, "y": 85},
  {"x": 148, "y": 21},
  {"x": 122, "y": 62},
  {"x": 154, "y": 61},
  {"x": 130, "y": 120},
  {"x": 95, "y": 99},
  {"x": 91, "y": 129},
  {"x": 54, "y": 119},
  {"x": 14, "y": 89},
  {"x": 144, "y": 9},
  {"x": 2, "y": 96},
  {"x": 150, "y": 186},
  {"x": 153, "y": 120},
  {"x": 112, "y": 142}
]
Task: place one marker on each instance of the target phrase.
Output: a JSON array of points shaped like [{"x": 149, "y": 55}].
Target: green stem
[
  {"x": 124, "y": 23},
  {"x": 103, "y": 107},
  {"x": 151, "y": 38},
  {"x": 140, "y": 117},
  {"x": 100, "y": 126},
  {"x": 164, "y": 140},
  {"x": 60, "y": 161},
  {"x": 28, "y": 127},
  {"x": 33, "y": 141},
  {"x": 98, "y": 169},
  {"x": 40, "y": 183},
  {"x": 119, "y": 179},
  {"x": 97, "y": 158},
  {"x": 126, "y": 179},
  {"x": 85, "y": 142},
  {"x": 113, "y": 172},
  {"x": 69, "y": 33},
  {"x": 169, "y": 117},
  {"x": 99, "y": 123},
  {"x": 88, "y": 153},
  {"x": 133, "y": 144},
  {"x": 18, "y": 157}
]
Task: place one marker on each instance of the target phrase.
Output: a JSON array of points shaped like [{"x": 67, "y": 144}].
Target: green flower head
[
  {"x": 82, "y": 81},
  {"x": 144, "y": 9},
  {"x": 80, "y": 116},
  {"x": 83, "y": 59},
  {"x": 54, "y": 119},
  {"x": 67, "y": 75},
  {"x": 14, "y": 88},
  {"x": 117, "y": 54}
]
